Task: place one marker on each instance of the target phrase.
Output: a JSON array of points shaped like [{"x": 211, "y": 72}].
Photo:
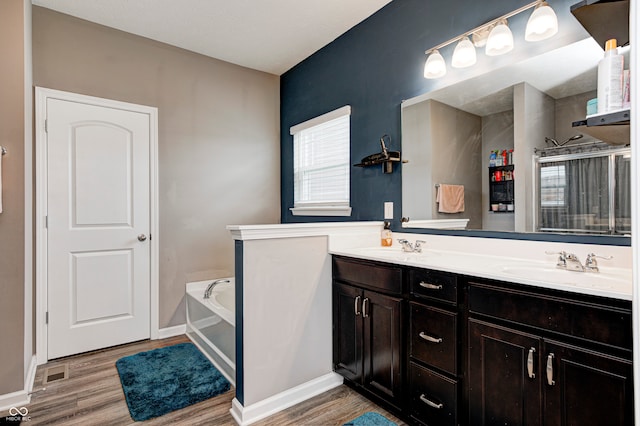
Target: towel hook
[{"x": 4, "y": 150}]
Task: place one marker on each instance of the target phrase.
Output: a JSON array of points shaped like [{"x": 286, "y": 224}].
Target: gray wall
[
  {"x": 12, "y": 219},
  {"x": 533, "y": 117},
  {"x": 456, "y": 140},
  {"x": 445, "y": 147},
  {"x": 497, "y": 133},
  {"x": 219, "y": 153}
]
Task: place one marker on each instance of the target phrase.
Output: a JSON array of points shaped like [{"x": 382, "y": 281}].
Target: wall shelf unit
[{"x": 501, "y": 189}]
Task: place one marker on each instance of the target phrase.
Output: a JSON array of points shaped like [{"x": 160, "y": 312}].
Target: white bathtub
[{"x": 211, "y": 323}]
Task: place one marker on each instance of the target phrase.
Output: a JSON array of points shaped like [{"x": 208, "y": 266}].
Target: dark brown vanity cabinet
[
  {"x": 540, "y": 358},
  {"x": 367, "y": 326},
  {"x": 434, "y": 349},
  {"x": 448, "y": 349}
]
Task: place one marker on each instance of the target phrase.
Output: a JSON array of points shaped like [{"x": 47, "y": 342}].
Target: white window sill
[{"x": 321, "y": 211}]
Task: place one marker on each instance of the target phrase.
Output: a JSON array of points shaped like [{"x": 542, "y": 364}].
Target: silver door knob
[{"x": 142, "y": 237}]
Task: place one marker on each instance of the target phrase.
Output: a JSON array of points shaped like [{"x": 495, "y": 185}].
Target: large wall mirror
[{"x": 548, "y": 176}]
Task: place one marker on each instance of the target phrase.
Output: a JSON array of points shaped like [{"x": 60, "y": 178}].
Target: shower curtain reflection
[{"x": 585, "y": 193}]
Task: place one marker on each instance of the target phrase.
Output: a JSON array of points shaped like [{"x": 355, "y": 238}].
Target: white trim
[
  {"x": 321, "y": 211},
  {"x": 345, "y": 110},
  {"x": 22, "y": 397},
  {"x": 14, "y": 399},
  {"x": 261, "y": 232},
  {"x": 634, "y": 39},
  {"x": 176, "y": 330},
  {"x": 29, "y": 358},
  {"x": 42, "y": 94},
  {"x": 265, "y": 408}
]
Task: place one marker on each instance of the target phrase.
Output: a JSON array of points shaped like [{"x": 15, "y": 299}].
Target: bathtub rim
[{"x": 196, "y": 290}]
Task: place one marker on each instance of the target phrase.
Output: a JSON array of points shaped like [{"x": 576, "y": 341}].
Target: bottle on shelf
[{"x": 610, "y": 78}]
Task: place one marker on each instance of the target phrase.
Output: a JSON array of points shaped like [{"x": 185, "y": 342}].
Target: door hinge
[
  {"x": 46, "y": 317},
  {"x": 149, "y": 237},
  {"x": 46, "y": 126},
  {"x": 46, "y": 222}
]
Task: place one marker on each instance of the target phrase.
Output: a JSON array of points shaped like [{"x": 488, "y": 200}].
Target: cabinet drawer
[
  {"x": 433, "y": 337},
  {"x": 434, "y": 285},
  {"x": 369, "y": 275},
  {"x": 585, "y": 320},
  {"x": 433, "y": 397}
]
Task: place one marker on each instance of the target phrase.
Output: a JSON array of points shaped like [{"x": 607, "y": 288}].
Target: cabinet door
[
  {"x": 504, "y": 379},
  {"x": 382, "y": 343},
  {"x": 583, "y": 387},
  {"x": 347, "y": 331}
]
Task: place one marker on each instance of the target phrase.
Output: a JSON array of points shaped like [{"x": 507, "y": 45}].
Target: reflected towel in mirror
[{"x": 450, "y": 198}]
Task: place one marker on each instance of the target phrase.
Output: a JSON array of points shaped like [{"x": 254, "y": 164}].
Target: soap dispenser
[{"x": 386, "y": 239}]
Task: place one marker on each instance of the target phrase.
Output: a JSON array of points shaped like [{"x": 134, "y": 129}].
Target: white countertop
[{"x": 609, "y": 282}]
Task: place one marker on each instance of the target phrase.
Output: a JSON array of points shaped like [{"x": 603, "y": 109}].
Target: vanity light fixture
[
  {"x": 497, "y": 36},
  {"x": 435, "y": 66},
  {"x": 464, "y": 55},
  {"x": 500, "y": 40},
  {"x": 542, "y": 24}
]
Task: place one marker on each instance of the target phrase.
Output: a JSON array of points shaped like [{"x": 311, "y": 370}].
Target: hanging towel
[{"x": 450, "y": 198}]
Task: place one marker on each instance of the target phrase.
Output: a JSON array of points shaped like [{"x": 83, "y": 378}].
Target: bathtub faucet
[{"x": 207, "y": 292}]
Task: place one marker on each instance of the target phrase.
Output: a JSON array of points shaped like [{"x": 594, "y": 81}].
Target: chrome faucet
[
  {"x": 570, "y": 262},
  {"x": 207, "y": 292},
  {"x": 591, "y": 264},
  {"x": 407, "y": 247}
]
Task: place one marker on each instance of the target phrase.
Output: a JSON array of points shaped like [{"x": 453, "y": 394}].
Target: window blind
[{"x": 321, "y": 161}]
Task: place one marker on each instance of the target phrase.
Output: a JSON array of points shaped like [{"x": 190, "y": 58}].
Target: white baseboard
[
  {"x": 265, "y": 408},
  {"x": 22, "y": 397},
  {"x": 176, "y": 330}
]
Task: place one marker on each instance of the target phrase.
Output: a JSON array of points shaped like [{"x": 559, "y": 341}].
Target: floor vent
[{"x": 54, "y": 374}]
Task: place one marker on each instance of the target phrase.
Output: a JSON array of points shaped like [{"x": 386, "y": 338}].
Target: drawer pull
[
  {"x": 431, "y": 286},
  {"x": 550, "y": 370},
  {"x": 356, "y": 303},
  {"x": 365, "y": 303},
  {"x": 428, "y": 338},
  {"x": 430, "y": 403},
  {"x": 532, "y": 375}
]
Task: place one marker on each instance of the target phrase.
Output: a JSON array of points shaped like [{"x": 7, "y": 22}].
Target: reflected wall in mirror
[{"x": 528, "y": 108}]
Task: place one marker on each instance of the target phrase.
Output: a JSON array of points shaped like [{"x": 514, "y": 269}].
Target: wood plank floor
[{"x": 92, "y": 395}]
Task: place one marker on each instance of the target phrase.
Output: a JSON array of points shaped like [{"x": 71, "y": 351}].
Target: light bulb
[
  {"x": 500, "y": 40},
  {"x": 542, "y": 23},
  {"x": 435, "y": 66},
  {"x": 464, "y": 54}
]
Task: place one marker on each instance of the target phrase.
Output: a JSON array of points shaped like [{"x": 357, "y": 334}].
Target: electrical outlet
[{"x": 388, "y": 210}]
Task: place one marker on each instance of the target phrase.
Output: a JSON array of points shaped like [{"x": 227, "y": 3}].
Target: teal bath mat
[
  {"x": 370, "y": 419},
  {"x": 163, "y": 380}
]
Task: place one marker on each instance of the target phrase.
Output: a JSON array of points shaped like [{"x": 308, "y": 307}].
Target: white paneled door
[{"x": 98, "y": 217}]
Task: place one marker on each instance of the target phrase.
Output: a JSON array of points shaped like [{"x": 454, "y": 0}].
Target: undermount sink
[
  {"x": 602, "y": 280},
  {"x": 396, "y": 253}
]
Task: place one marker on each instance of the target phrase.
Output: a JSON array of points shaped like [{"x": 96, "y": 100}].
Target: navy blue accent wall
[
  {"x": 239, "y": 322},
  {"x": 374, "y": 67}
]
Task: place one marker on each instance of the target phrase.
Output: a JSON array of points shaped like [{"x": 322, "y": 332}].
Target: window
[
  {"x": 321, "y": 165},
  {"x": 553, "y": 183}
]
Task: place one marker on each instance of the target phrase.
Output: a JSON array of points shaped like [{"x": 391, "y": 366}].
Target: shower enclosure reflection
[{"x": 584, "y": 190}]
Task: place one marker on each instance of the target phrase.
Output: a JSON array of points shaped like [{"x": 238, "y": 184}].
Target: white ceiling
[{"x": 266, "y": 35}]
